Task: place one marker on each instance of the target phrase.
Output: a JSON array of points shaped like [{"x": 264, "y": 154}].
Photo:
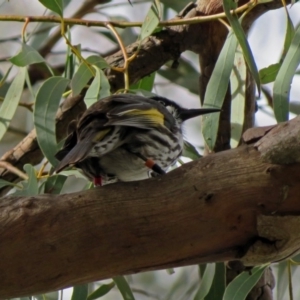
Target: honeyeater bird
[{"x": 127, "y": 137}]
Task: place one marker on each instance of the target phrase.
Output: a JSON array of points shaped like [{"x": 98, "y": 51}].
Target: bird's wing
[{"x": 140, "y": 115}]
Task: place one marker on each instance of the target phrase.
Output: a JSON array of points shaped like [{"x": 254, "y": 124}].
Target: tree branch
[{"x": 226, "y": 206}]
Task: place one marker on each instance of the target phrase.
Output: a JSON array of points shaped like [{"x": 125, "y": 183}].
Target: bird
[{"x": 126, "y": 137}]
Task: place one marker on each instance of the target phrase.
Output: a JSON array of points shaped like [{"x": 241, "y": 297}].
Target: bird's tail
[{"x": 73, "y": 156}]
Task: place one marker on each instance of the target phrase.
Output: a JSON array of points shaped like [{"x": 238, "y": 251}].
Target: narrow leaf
[
  {"x": 289, "y": 34},
  {"x": 216, "y": 89},
  {"x": 80, "y": 292},
  {"x": 84, "y": 73},
  {"x": 206, "y": 281},
  {"x": 11, "y": 100},
  {"x": 269, "y": 73},
  {"x": 101, "y": 291},
  {"x": 239, "y": 288},
  {"x": 26, "y": 56},
  {"x": 93, "y": 92},
  {"x": 54, "y": 5},
  {"x": 150, "y": 23},
  {"x": 190, "y": 151},
  {"x": 54, "y": 184},
  {"x": 46, "y": 105},
  {"x": 30, "y": 187},
  {"x": 123, "y": 287},
  {"x": 239, "y": 32},
  {"x": 238, "y": 97},
  {"x": 282, "y": 84},
  {"x": 145, "y": 83},
  {"x": 218, "y": 286},
  {"x": 99, "y": 88},
  {"x": 4, "y": 183}
]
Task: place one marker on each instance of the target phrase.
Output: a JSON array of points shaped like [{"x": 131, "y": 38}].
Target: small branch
[
  {"x": 12, "y": 169},
  {"x": 89, "y": 23}
]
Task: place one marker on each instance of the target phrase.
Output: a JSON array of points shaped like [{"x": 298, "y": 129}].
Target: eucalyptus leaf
[
  {"x": 80, "y": 292},
  {"x": 54, "y": 5},
  {"x": 239, "y": 32},
  {"x": 54, "y": 184},
  {"x": 218, "y": 286},
  {"x": 30, "y": 187},
  {"x": 4, "y": 183},
  {"x": 269, "y": 73},
  {"x": 146, "y": 83},
  {"x": 101, "y": 291},
  {"x": 289, "y": 34},
  {"x": 11, "y": 101},
  {"x": 93, "y": 92},
  {"x": 84, "y": 73},
  {"x": 190, "y": 151},
  {"x": 46, "y": 105},
  {"x": 240, "y": 286},
  {"x": 150, "y": 23},
  {"x": 238, "y": 97},
  {"x": 26, "y": 56},
  {"x": 206, "y": 282},
  {"x": 123, "y": 287},
  {"x": 217, "y": 88},
  {"x": 282, "y": 84}
]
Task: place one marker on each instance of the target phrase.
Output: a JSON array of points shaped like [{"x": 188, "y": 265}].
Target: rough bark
[{"x": 226, "y": 206}]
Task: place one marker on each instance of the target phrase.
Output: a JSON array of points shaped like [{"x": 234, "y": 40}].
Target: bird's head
[{"x": 182, "y": 114}]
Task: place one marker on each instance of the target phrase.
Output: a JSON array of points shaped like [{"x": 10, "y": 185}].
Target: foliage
[{"x": 87, "y": 71}]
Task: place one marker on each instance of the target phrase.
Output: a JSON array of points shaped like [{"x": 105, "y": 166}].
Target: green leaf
[
  {"x": 239, "y": 288},
  {"x": 175, "y": 5},
  {"x": 190, "y": 151},
  {"x": 150, "y": 23},
  {"x": 101, "y": 291},
  {"x": 289, "y": 34},
  {"x": 4, "y": 183},
  {"x": 217, "y": 88},
  {"x": 144, "y": 93},
  {"x": 48, "y": 296},
  {"x": 269, "y": 73},
  {"x": 26, "y": 56},
  {"x": 80, "y": 292},
  {"x": 11, "y": 100},
  {"x": 46, "y": 105},
  {"x": 30, "y": 187},
  {"x": 282, "y": 84},
  {"x": 123, "y": 287},
  {"x": 99, "y": 88},
  {"x": 206, "y": 281},
  {"x": 54, "y": 5},
  {"x": 185, "y": 75},
  {"x": 145, "y": 83},
  {"x": 84, "y": 74},
  {"x": 239, "y": 32},
  {"x": 54, "y": 184},
  {"x": 93, "y": 93},
  {"x": 218, "y": 286},
  {"x": 238, "y": 97}
]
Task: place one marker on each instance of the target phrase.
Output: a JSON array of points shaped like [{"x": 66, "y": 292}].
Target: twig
[
  {"x": 89, "y": 23},
  {"x": 127, "y": 60},
  {"x": 6, "y": 165}
]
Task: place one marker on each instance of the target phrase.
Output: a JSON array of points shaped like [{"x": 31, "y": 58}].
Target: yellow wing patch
[
  {"x": 100, "y": 135},
  {"x": 153, "y": 114}
]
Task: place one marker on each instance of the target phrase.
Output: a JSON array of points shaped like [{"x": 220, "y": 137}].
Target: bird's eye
[{"x": 162, "y": 103}]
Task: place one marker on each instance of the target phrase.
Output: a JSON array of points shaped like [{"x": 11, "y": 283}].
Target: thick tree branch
[{"x": 226, "y": 206}]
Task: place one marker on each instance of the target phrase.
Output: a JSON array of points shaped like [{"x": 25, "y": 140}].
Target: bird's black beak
[{"x": 186, "y": 114}]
